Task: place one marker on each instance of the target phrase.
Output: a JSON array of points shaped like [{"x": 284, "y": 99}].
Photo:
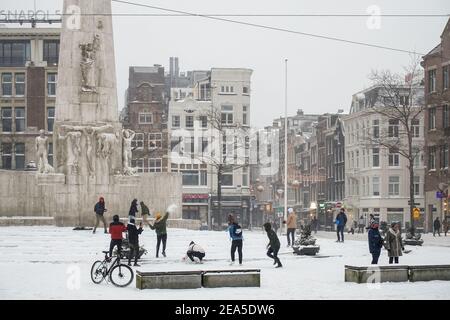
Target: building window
[
  {"x": 393, "y": 128},
  {"x": 445, "y": 77},
  {"x": 376, "y": 129},
  {"x": 431, "y": 81},
  {"x": 19, "y": 114},
  {"x": 445, "y": 116},
  {"x": 145, "y": 118},
  {"x": 20, "y": 84},
  {"x": 204, "y": 121},
  {"x": 50, "y": 153},
  {"x": 245, "y": 90},
  {"x": 432, "y": 118},
  {"x": 404, "y": 101},
  {"x": 138, "y": 164},
  {"x": 189, "y": 121},
  {"x": 7, "y": 84},
  {"x": 444, "y": 156},
  {"x": 394, "y": 186},
  {"x": 415, "y": 128},
  {"x": 19, "y": 154},
  {"x": 14, "y": 53},
  {"x": 416, "y": 185},
  {"x": 175, "y": 144},
  {"x": 154, "y": 140},
  {"x": 227, "y": 115},
  {"x": 394, "y": 157},
  {"x": 226, "y": 89},
  {"x": 7, "y": 156},
  {"x": 431, "y": 158},
  {"x": 417, "y": 157},
  {"x": 51, "y": 52},
  {"x": 244, "y": 115},
  {"x": 245, "y": 176},
  {"x": 7, "y": 119},
  {"x": 376, "y": 186},
  {"x": 376, "y": 157},
  {"x": 227, "y": 177},
  {"x": 175, "y": 121},
  {"x": 50, "y": 118},
  {"x": 154, "y": 165},
  {"x": 138, "y": 141},
  {"x": 52, "y": 79}
]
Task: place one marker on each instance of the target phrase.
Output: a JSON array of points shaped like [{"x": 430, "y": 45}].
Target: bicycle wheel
[
  {"x": 97, "y": 272},
  {"x": 121, "y": 275}
]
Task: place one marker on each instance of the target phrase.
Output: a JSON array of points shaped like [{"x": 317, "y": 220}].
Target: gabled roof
[{"x": 446, "y": 28}]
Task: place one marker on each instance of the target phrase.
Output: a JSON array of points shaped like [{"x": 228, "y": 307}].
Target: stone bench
[
  {"x": 429, "y": 273},
  {"x": 397, "y": 273},
  {"x": 197, "y": 279},
  {"x": 26, "y": 221},
  {"x": 376, "y": 274},
  {"x": 231, "y": 278},
  {"x": 169, "y": 280}
]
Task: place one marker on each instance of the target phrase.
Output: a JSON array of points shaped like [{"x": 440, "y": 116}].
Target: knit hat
[
  {"x": 158, "y": 215},
  {"x": 290, "y": 210}
]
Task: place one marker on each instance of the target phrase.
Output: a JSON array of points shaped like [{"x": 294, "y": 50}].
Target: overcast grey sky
[{"x": 323, "y": 74}]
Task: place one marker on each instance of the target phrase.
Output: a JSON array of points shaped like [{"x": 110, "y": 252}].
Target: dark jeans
[
  {"x": 391, "y": 260},
  {"x": 192, "y": 255},
  {"x": 163, "y": 238},
  {"x": 114, "y": 243},
  {"x": 438, "y": 232},
  {"x": 273, "y": 253},
  {"x": 340, "y": 230},
  {"x": 134, "y": 250},
  {"x": 290, "y": 231},
  {"x": 236, "y": 244},
  {"x": 375, "y": 257}
]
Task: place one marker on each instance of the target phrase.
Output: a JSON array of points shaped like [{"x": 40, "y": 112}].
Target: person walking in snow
[
  {"x": 195, "y": 251},
  {"x": 315, "y": 224},
  {"x": 235, "y": 232},
  {"x": 99, "y": 210},
  {"x": 291, "y": 226},
  {"x": 437, "y": 227},
  {"x": 116, "y": 228},
  {"x": 375, "y": 242},
  {"x": 361, "y": 225},
  {"x": 133, "y": 240},
  {"x": 445, "y": 225},
  {"x": 274, "y": 245},
  {"x": 145, "y": 212},
  {"x": 393, "y": 243},
  {"x": 133, "y": 210},
  {"x": 341, "y": 220}
]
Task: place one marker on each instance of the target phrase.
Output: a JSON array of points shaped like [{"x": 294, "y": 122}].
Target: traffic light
[
  {"x": 445, "y": 206},
  {"x": 416, "y": 213}
]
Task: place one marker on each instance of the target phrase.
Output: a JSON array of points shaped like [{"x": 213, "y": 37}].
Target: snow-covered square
[{"x": 54, "y": 263}]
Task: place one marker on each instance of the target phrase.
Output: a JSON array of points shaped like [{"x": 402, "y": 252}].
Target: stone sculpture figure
[
  {"x": 42, "y": 154},
  {"x": 128, "y": 136},
  {"x": 88, "y": 64},
  {"x": 74, "y": 151},
  {"x": 89, "y": 132}
]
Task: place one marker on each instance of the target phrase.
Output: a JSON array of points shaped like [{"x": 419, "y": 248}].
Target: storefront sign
[{"x": 195, "y": 196}]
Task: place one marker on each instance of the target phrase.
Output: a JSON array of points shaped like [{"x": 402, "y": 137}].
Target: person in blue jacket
[
  {"x": 235, "y": 231},
  {"x": 375, "y": 242},
  {"x": 341, "y": 220}
]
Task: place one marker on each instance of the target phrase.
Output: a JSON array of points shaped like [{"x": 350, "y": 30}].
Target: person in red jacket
[{"x": 116, "y": 228}]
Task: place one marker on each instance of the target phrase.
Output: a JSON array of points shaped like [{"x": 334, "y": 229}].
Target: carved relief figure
[
  {"x": 105, "y": 143},
  {"x": 74, "y": 150},
  {"x": 89, "y": 132},
  {"x": 128, "y": 136},
  {"x": 88, "y": 65},
  {"x": 42, "y": 154}
]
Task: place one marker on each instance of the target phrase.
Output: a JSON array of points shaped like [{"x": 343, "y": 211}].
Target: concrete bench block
[
  {"x": 231, "y": 279},
  {"x": 376, "y": 274},
  {"x": 429, "y": 273},
  {"x": 169, "y": 280}
]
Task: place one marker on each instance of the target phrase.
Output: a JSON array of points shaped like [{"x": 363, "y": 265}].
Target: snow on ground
[{"x": 43, "y": 263}]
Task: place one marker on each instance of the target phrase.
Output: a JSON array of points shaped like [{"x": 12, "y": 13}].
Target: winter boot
[
  {"x": 164, "y": 254},
  {"x": 136, "y": 264},
  {"x": 232, "y": 263},
  {"x": 279, "y": 265}
]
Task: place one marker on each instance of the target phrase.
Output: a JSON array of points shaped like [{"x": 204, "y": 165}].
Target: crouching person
[
  {"x": 195, "y": 251},
  {"x": 133, "y": 239}
]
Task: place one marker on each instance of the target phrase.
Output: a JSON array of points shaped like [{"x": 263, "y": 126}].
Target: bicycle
[{"x": 119, "y": 274}]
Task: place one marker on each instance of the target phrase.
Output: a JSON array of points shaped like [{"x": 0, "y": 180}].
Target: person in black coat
[
  {"x": 133, "y": 240},
  {"x": 133, "y": 210},
  {"x": 437, "y": 227},
  {"x": 274, "y": 245},
  {"x": 375, "y": 242},
  {"x": 99, "y": 210}
]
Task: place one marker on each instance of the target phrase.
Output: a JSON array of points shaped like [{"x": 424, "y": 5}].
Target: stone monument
[{"x": 92, "y": 151}]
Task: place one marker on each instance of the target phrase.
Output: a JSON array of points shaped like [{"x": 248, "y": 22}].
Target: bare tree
[
  {"x": 224, "y": 159},
  {"x": 400, "y": 101}
]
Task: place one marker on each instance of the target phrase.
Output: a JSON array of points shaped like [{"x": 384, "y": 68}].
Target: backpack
[{"x": 237, "y": 231}]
